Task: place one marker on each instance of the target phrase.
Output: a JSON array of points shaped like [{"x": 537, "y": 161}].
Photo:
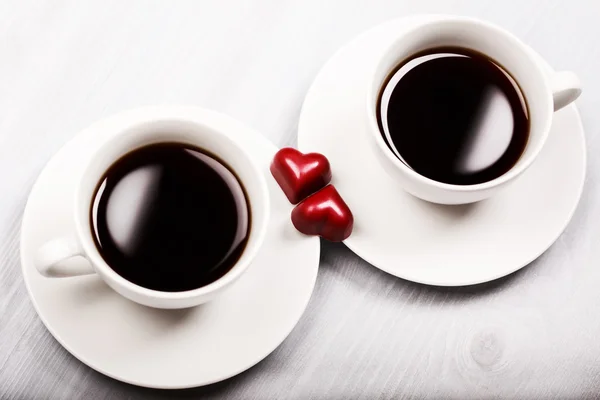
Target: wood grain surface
[{"x": 365, "y": 335}]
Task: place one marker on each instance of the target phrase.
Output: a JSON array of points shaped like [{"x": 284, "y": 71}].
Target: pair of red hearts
[{"x": 304, "y": 178}]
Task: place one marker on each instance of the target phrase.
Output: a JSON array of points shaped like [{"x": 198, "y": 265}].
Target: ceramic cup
[
  {"x": 544, "y": 93},
  {"x": 52, "y": 259}
]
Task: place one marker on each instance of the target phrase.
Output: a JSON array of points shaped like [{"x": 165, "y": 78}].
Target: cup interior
[
  {"x": 498, "y": 45},
  {"x": 174, "y": 131}
]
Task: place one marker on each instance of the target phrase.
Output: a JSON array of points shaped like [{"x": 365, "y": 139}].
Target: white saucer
[
  {"x": 165, "y": 348},
  {"x": 419, "y": 241}
]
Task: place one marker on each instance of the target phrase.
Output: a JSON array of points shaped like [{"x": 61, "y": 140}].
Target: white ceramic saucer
[
  {"x": 166, "y": 348},
  {"x": 416, "y": 240}
]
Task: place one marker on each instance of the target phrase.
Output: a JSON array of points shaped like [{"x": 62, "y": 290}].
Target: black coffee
[
  {"x": 454, "y": 115},
  {"x": 170, "y": 217}
]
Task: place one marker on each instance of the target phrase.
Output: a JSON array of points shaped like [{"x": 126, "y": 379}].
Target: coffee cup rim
[
  {"x": 258, "y": 207},
  {"x": 522, "y": 165}
]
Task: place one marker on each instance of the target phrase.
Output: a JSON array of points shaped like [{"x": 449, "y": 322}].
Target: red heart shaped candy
[
  {"x": 325, "y": 214},
  {"x": 299, "y": 175}
]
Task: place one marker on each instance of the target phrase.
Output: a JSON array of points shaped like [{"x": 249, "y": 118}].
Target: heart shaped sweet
[
  {"x": 325, "y": 214},
  {"x": 299, "y": 175}
]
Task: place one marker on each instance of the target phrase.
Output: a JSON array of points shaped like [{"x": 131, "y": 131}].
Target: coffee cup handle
[
  {"x": 566, "y": 88},
  {"x": 49, "y": 257}
]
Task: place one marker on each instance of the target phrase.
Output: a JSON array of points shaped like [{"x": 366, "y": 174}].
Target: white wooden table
[{"x": 65, "y": 64}]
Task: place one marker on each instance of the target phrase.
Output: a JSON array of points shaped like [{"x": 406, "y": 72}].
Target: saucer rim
[
  {"x": 350, "y": 243},
  {"x": 131, "y": 113}
]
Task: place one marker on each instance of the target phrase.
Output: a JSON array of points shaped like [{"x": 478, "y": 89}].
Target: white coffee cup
[
  {"x": 50, "y": 258},
  {"x": 543, "y": 92}
]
